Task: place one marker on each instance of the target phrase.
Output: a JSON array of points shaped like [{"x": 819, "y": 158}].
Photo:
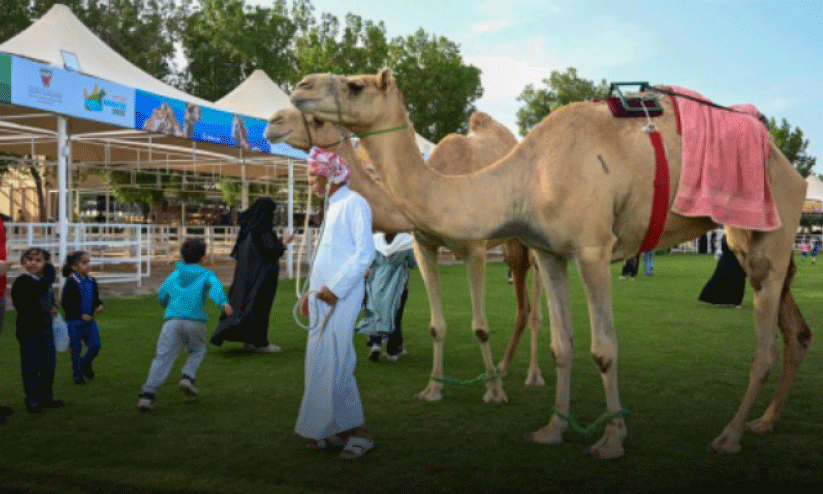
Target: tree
[
  {"x": 791, "y": 143},
  {"x": 362, "y": 45},
  {"x": 15, "y": 16},
  {"x": 225, "y": 41},
  {"x": 440, "y": 90},
  {"x": 561, "y": 88}
]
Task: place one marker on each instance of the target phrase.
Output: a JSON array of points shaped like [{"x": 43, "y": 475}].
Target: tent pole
[
  {"x": 244, "y": 184},
  {"x": 63, "y": 152},
  {"x": 290, "y": 252}
]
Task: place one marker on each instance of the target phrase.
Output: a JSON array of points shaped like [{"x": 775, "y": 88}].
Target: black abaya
[
  {"x": 257, "y": 252},
  {"x": 727, "y": 284}
]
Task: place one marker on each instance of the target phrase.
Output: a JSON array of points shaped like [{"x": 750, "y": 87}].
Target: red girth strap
[{"x": 660, "y": 202}]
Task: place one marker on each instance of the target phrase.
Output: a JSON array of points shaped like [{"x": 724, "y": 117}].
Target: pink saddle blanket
[{"x": 724, "y": 176}]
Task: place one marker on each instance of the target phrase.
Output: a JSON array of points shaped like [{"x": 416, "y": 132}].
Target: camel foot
[
  {"x": 495, "y": 393},
  {"x": 610, "y": 446},
  {"x": 535, "y": 378},
  {"x": 763, "y": 425},
  {"x": 430, "y": 392},
  {"x": 727, "y": 442},
  {"x": 503, "y": 370},
  {"x": 550, "y": 434}
]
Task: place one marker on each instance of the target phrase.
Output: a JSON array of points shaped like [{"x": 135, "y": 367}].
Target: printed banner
[
  {"x": 5, "y": 78},
  {"x": 174, "y": 117},
  {"x": 50, "y": 88}
]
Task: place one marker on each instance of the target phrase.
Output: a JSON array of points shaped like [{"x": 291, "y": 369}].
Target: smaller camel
[{"x": 288, "y": 125}]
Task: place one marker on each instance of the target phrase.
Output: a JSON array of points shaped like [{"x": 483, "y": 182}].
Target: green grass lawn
[{"x": 683, "y": 368}]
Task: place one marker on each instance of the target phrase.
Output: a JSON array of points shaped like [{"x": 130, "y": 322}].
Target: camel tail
[{"x": 790, "y": 320}]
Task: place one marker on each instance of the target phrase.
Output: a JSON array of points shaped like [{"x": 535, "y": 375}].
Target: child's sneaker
[
  {"x": 145, "y": 403},
  {"x": 79, "y": 380},
  {"x": 187, "y": 385},
  {"x": 374, "y": 353},
  {"x": 392, "y": 358}
]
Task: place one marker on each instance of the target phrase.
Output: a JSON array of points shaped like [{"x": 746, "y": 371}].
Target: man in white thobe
[{"x": 331, "y": 413}]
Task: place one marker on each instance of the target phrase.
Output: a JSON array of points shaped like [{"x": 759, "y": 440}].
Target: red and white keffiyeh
[{"x": 329, "y": 164}]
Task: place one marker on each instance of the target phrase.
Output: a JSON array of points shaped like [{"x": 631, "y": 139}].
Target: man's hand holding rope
[{"x": 324, "y": 294}]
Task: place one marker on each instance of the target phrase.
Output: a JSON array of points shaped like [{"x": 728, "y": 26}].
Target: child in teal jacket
[{"x": 183, "y": 294}]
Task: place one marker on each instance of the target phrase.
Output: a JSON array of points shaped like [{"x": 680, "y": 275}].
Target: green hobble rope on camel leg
[
  {"x": 468, "y": 382},
  {"x": 594, "y": 425}
]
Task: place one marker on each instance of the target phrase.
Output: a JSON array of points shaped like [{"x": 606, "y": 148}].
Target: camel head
[
  {"x": 287, "y": 125},
  {"x": 364, "y": 102}
]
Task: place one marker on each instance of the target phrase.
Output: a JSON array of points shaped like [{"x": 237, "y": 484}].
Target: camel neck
[{"x": 438, "y": 203}]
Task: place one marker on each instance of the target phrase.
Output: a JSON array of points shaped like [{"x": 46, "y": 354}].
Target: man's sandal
[
  {"x": 356, "y": 447},
  {"x": 333, "y": 441}
]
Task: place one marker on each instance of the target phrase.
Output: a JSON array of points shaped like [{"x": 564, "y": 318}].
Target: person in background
[
  {"x": 387, "y": 288},
  {"x": 804, "y": 250},
  {"x": 5, "y": 412},
  {"x": 33, "y": 299},
  {"x": 727, "y": 284},
  {"x": 81, "y": 301},
  {"x": 630, "y": 268},
  {"x": 331, "y": 413},
  {"x": 183, "y": 294},
  {"x": 815, "y": 250},
  {"x": 256, "y": 273},
  {"x": 648, "y": 263}
]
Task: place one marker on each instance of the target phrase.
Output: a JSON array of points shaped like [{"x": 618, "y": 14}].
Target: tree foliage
[
  {"x": 440, "y": 89},
  {"x": 225, "y": 41},
  {"x": 793, "y": 145},
  {"x": 561, "y": 88}
]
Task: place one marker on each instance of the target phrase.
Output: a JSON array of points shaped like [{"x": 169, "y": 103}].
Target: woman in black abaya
[
  {"x": 257, "y": 252},
  {"x": 726, "y": 286}
]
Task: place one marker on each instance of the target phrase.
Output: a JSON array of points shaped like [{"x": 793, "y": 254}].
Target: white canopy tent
[
  {"x": 814, "y": 189},
  {"x": 59, "y": 39}
]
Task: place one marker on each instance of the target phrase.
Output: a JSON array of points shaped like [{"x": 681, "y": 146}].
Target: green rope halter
[
  {"x": 382, "y": 131},
  {"x": 594, "y": 425},
  {"x": 468, "y": 382}
]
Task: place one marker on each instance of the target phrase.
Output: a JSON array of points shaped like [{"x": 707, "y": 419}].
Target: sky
[{"x": 768, "y": 53}]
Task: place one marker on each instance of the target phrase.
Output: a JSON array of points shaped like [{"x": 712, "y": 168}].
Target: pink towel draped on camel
[{"x": 724, "y": 166}]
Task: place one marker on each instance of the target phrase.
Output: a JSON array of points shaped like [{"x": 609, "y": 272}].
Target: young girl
[
  {"x": 80, "y": 301},
  {"x": 34, "y": 302}
]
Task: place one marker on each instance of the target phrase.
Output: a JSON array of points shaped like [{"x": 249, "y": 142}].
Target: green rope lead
[
  {"x": 594, "y": 425},
  {"x": 381, "y": 131},
  {"x": 469, "y": 382}
]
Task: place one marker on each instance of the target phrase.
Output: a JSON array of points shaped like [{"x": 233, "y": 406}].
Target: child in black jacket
[
  {"x": 81, "y": 301},
  {"x": 34, "y": 302}
]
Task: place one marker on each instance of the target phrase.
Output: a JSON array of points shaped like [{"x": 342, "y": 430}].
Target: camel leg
[
  {"x": 535, "y": 377},
  {"x": 593, "y": 264},
  {"x": 476, "y": 271},
  {"x": 426, "y": 257},
  {"x": 554, "y": 276},
  {"x": 517, "y": 258},
  {"x": 796, "y": 340},
  {"x": 767, "y": 270}
]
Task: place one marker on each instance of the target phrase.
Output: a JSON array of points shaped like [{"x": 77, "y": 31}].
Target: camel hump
[{"x": 478, "y": 120}]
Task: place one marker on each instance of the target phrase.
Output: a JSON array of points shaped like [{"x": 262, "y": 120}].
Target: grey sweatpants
[{"x": 175, "y": 334}]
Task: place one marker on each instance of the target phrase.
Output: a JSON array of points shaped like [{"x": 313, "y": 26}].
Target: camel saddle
[{"x": 634, "y": 105}]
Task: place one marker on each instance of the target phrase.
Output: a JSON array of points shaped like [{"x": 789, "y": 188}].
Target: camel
[
  {"x": 163, "y": 121},
  {"x": 579, "y": 188},
  {"x": 192, "y": 116},
  {"x": 451, "y": 155},
  {"x": 239, "y": 132}
]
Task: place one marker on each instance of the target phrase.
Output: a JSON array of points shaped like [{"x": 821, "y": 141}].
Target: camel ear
[{"x": 385, "y": 78}]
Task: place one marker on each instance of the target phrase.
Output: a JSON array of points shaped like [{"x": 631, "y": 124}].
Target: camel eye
[
  {"x": 316, "y": 122},
  {"x": 355, "y": 88}
]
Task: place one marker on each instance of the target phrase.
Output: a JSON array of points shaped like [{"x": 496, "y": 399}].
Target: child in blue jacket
[
  {"x": 183, "y": 294},
  {"x": 81, "y": 301},
  {"x": 34, "y": 302}
]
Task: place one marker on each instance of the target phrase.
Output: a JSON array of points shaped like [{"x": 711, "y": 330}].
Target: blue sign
[
  {"x": 45, "y": 87},
  {"x": 155, "y": 113}
]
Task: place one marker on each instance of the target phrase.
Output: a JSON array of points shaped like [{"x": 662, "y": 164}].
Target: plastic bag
[{"x": 61, "y": 333}]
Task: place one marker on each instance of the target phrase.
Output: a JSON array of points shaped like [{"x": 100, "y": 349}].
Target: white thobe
[{"x": 331, "y": 401}]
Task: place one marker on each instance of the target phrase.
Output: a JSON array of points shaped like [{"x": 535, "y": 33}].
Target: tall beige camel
[
  {"x": 453, "y": 153},
  {"x": 579, "y": 188}
]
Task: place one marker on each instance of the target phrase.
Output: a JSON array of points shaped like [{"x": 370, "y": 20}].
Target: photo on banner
[{"x": 155, "y": 113}]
